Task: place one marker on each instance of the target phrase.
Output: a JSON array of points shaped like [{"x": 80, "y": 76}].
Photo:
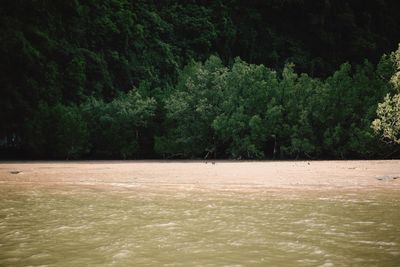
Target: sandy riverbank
[{"x": 199, "y": 174}]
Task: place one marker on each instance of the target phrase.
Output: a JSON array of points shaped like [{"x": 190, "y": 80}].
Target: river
[{"x": 89, "y": 226}]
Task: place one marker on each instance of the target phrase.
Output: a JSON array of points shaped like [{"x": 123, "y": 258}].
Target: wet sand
[{"x": 206, "y": 175}]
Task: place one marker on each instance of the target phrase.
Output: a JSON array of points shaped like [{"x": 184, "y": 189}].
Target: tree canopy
[
  {"x": 388, "y": 122},
  {"x": 194, "y": 79}
]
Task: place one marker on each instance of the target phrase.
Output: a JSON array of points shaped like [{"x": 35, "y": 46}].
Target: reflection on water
[{"x": 80, "y": 227}]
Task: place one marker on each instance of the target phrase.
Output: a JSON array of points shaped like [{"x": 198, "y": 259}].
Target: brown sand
[{"x": 201, "y": 174}]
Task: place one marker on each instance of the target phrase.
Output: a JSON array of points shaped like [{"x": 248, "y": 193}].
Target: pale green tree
[{"x": 387, "y": 124}]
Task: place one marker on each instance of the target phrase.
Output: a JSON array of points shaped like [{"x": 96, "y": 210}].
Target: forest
[{"x": 224, "y": 79}]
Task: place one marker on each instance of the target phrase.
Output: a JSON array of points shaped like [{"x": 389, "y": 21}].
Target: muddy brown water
[{"x": 83, "y": 226}]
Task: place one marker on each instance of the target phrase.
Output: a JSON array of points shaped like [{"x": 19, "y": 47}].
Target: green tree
[
  {"x": 116, "y": 128},
  {"x": 191, "y": 109},
  {"x": 58, "y": 132},
  {"x": 244, "y": 125}
]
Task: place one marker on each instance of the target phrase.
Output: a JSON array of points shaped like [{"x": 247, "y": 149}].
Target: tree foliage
[
  {"x": 388, "y": 122},
  {"x": 250, "y": 111},
  {"x": 190, "y": 110},
  {"x": 194, "y": 79},
  {"x": 116, "y": 128},
  {"x": 58, "y": 132}
]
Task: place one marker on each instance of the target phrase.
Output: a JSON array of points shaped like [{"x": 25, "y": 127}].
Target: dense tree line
[
  {"x": 188, "y": 79},
  {"x": 250, "y": 111}
]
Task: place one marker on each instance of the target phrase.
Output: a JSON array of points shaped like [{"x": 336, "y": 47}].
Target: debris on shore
[{"x": 387, "y": 177}]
